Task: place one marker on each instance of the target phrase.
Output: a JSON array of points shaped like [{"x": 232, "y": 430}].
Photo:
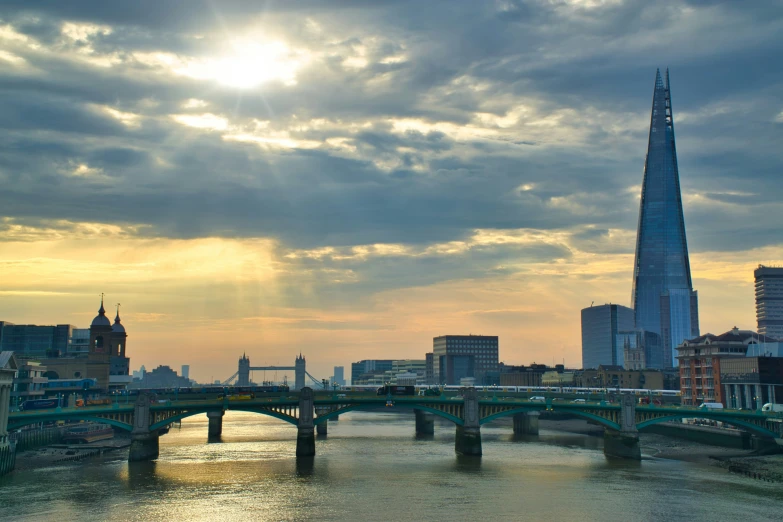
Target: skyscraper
[
  {"x": 769, "y": 301},
  {"x": 663, "y": 298}
]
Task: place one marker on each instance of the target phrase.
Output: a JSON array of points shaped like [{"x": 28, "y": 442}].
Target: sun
[{"x": 249, "y": 64}]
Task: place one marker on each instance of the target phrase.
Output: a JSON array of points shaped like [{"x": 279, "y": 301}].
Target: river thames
[{"x": 372, "y": 467}]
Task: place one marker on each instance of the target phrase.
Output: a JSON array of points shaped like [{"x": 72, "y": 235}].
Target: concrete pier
[
  {"x": 526, "y": 423},
  {"x": 305, "y": 437},
  {"x": 425, "y": 422},
  {"x": 144, "y": 446},
  {"x": 321, "y": 428},
  {"x": 621, "y": 445},
  {"x": 215, "y": 423},
  {"x": 468, "y": 441},
  {"x": 144, "y": 443},
  {"x": 468, "y": 436},
  {"x": 624, "y": 444}
]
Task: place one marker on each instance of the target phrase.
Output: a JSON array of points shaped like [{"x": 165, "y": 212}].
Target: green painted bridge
[{"x": 311, "y": 413}]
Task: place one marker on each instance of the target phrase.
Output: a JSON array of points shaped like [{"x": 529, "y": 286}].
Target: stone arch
[{"x": 51, "y": 374}]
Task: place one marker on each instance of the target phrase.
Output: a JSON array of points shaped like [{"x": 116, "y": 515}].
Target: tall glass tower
[{"x": 663, "y": 298}]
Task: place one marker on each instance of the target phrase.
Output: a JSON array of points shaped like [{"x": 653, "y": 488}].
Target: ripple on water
[{"x": 371, "y": 466}]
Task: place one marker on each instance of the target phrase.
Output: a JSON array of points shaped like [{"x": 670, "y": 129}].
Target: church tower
[{"x": 100, "y": 335}]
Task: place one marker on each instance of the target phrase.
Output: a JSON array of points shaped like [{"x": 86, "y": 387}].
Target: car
[
  {"x": 538, "y": 399},
  {"x": 580, "y": 401}
]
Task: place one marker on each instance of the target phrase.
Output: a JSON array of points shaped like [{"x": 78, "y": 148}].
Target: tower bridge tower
[
  {"x": 299, "y": 372},
  {"x": 243, "y": 374}
]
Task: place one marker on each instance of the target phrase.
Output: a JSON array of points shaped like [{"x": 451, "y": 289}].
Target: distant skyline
[{"x": 350, "y": 179}]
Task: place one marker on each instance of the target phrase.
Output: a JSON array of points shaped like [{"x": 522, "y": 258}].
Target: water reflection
[
  {"x": 305, "y": 466},
  {"x": 374, "y": 465},
  {"x": 470, "y": 464}
]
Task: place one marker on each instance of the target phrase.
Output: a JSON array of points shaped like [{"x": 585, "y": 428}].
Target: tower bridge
[
  {"x": 242, "y": 375},
  {"x": 311, "y": 412}
]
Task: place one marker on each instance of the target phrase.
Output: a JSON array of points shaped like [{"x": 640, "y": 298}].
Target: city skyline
[{"x": 340, "y": 181}]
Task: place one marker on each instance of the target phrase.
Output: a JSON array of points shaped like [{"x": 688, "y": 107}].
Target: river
[{"x": 372, "y": 467}]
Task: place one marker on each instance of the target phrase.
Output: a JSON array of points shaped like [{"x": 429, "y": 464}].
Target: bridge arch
[
  {"x": 526, "y": 409},
  {"x": 15, "y": 424},
  {"x": 508, "y": 413},
  {"x": 370, "y": 407},
  {"x": 753, "y": 428},
  {"x": 191, "y": 413}
]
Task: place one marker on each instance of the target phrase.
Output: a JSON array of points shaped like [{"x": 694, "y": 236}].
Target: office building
[
  {"x": 663, "y": 298},
  {"x": 429, "y": 368},
  {"x": 701, "y": 360},
  {"x": 29, "y": 341},
  {"x": 370, "y": 371},
  {"x": 185, "y": 372},
  {"x": 29, "y": 382},
  {"x": 458, "y": 356},
  {"x": 522, "y": 375},
  {"x": 600, "y": 327},
  {"x": 752, "y": 382},
  {"x": 339, "y": 376},
  {"x": 613, "y": 376},
  {"x": 161, "y": 377},
  {"x": 769, "y": 301}
]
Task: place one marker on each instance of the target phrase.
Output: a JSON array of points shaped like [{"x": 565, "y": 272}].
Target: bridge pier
[
  {"x": 144, "y": 446},
  {"x": 305, "y": 437},
  {"x": 468, "y": 436},
  {"x": 144, "y": 443},
  {"x": 624, "y": 444},
  {"x": 321, "y": 429},
  {"x": 215, "y": 423},
  {"x": 526, "y": 423},
  {"x": 425, "y": 422}
]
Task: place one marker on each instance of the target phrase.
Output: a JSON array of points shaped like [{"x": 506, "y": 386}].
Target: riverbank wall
[
  {"x": 7, "y": 458},
  {"x": 31, "y": 439},
  {"x": 703, "y": 434}
]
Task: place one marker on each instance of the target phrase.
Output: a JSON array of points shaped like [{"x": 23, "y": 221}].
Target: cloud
[{"x": 379, "y": 148}]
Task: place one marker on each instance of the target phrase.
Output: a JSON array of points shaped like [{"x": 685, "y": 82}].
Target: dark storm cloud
[{"x": 589, "y": 71}]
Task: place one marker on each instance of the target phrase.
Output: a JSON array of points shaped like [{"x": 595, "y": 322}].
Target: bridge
[
  {"x": 311, "y": 413},
  {"x": 242, "y": 375}
]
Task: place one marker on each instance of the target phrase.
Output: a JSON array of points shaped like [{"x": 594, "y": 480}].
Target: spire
[
  {"x": 101, "y": 310},
  {"x": 117, "y": 317}
]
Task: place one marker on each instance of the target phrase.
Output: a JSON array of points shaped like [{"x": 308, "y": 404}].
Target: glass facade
[
  {"x": 458, "y": 356},
  {"x": 769, "y": 301},
  {"x": 662, "y": 275},
  {"x": 600, "y": 326}
]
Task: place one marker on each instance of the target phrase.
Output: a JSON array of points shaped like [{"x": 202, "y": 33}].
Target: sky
[{"x": 350, "y": 179}]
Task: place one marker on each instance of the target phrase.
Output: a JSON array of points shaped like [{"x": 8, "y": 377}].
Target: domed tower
[
  {"x": 118, "y": 336},
  {"x": 100, "y": 333},
  {"x": 120, "y": 364}
]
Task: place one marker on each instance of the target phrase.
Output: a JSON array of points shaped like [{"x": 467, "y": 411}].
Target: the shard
[{"x": 663, "y": 298}]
